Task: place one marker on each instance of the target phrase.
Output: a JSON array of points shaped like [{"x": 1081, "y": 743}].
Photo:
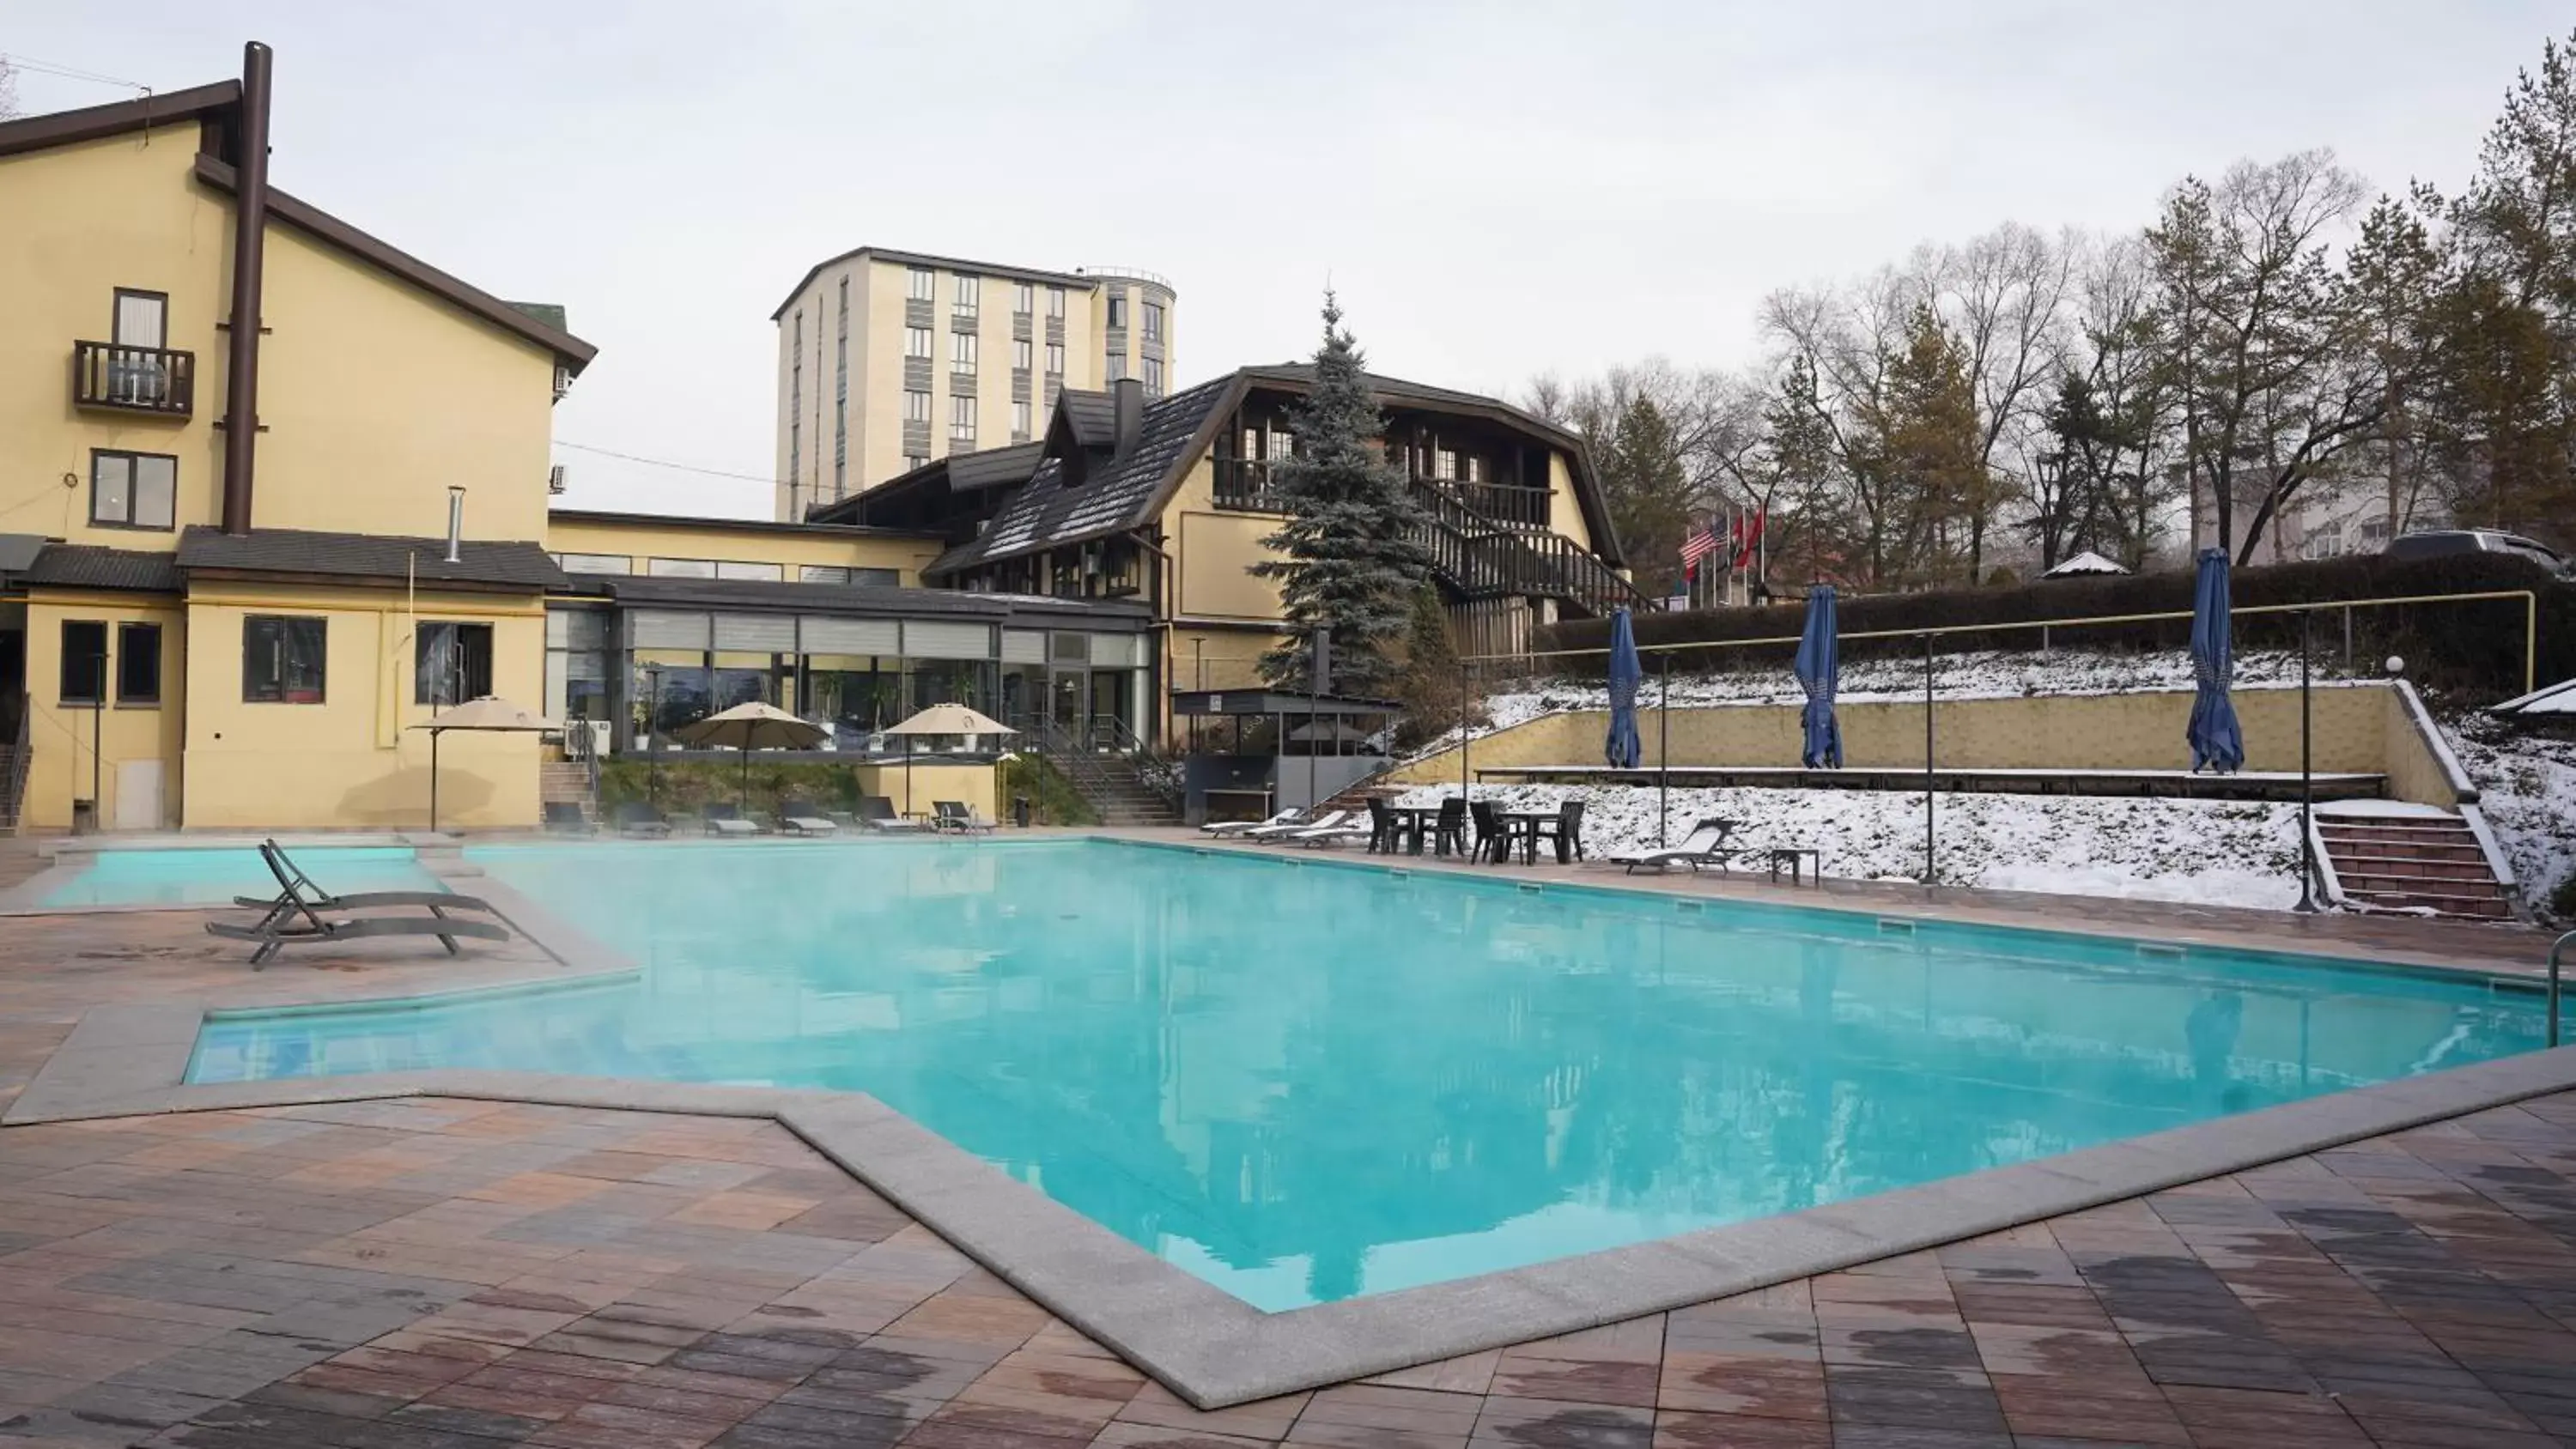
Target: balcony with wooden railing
[
  {"x": 1250, "y": 485},
  {"x": 118, "y": 378}
]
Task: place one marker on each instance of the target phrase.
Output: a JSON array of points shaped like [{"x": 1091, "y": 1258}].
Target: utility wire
[
  {"x": 664, "y": 463},
  {"x": 33, "y": 66}
]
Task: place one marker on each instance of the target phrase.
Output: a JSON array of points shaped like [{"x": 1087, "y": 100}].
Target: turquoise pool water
[
  {"x": 1305, "y": 1083},
  {"x": 215, "y": 875}
]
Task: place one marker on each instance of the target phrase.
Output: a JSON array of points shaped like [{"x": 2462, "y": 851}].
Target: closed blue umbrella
[
  {"x": 1622, "y": 749},
  {"x": 2216, "y": 741},
  {"x": 1819, "y": 671}
]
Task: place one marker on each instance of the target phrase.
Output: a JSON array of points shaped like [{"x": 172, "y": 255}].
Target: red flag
[{"x": 1749, "y": 538}]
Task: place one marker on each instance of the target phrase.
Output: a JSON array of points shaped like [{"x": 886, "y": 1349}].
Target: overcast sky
[{"x": 1495, "y": 189}]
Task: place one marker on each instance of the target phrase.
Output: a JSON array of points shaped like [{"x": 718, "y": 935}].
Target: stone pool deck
[{"x": 432, "y": 1272}]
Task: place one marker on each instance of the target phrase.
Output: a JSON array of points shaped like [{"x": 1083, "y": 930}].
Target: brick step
[
  {"x": 2410, "y": 866},
  {"x": 2405, "y": 849},
  {"x": 2491, "y": 908},
  {"x": 2447, "y": 835},
  {"x": 2362, "y": 882}
]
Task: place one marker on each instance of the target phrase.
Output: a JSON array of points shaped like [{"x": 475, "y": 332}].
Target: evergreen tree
[
  {"x": 1649, "y": 494},
  {"x": 1926, "y": 430},
  {"x": 1434, "y": 689},
  {"x": 1795, "y": 468},
  {"x": 1353, "y": 552}
]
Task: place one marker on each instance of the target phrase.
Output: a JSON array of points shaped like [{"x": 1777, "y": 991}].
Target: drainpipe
[{"x": 250, "y": 236}]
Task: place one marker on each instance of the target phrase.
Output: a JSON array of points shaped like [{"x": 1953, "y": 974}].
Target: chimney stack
[
  {"x": 1127, "y": 402},
  {"x": 250, "y": 238}
]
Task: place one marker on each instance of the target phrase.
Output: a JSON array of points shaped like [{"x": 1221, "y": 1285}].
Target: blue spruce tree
[{"x": 1352, "y": 541}]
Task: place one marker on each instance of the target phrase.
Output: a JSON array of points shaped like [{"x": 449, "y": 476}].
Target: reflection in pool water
[{"x": 1304, "y": 1084}]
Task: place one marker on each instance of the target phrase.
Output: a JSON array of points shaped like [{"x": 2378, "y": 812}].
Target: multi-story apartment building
[{"x": 889, "y": 359}]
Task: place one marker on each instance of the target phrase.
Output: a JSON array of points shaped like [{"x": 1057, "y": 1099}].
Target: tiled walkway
[{"x": 464, "y": 1275}]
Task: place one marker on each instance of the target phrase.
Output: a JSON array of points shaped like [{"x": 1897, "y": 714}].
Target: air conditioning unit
[{"x": 555, "y": 479}]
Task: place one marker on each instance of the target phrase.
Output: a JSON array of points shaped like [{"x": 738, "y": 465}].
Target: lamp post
[
  {"x": 97, "y": 732},
  {"x": 2307, "y": 784},
  {"x": 1930, "y": 870}
]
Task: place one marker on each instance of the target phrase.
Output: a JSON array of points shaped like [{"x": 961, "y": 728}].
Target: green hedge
[
  {"x": 1058, "y": 803},
  {"x": 687, "y": 785},
  {"x": 2470, "y": 647}
]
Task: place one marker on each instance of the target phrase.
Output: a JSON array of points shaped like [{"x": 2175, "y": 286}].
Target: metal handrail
[
  {"x": 2530, "y": 628},
  {"x": 15, "y": 784},
  {"x": 2557, "y": 949}
]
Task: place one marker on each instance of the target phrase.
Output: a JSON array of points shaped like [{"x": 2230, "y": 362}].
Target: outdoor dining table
[
  {"x": 1522, "y": 825},
  {"x": 1414, "y": 822}
]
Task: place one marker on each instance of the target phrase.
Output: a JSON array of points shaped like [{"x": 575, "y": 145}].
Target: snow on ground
[
  {"x": 2206, "y": 852},
  {"x": 1987, "y": 674},
  {"x": 2527, "y": 790}
]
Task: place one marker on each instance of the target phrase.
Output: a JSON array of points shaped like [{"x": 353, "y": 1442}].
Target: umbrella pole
[
  {"x": 742, "y": 792},
  {"x": 2307, "y": 785},
  {"x": 1664, "y": 755},
  {"x": 433, "y": 780},
  {"x": 1928, "y": 859}
]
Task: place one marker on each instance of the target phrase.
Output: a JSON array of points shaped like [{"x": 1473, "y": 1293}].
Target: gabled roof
[
  {"x": 1120, "y": 494},
  {"x": 1115, "y": 495},
  {"x": 486, "y": 563},
  {"x": 215, "y": 106}
]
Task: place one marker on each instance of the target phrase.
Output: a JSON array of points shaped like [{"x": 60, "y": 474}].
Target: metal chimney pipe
[
  {"x": 455, "y": 522},
  {"x": 250, "y": 237}
]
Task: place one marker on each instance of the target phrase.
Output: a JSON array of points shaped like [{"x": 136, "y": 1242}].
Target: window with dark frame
[
  {"x": 138, "y": 664},
  {"x": 1117, "y": 311},
  {"x": 84, "y": 661},
  {"x": 1153, "y": 321},
  {"x": 451, "y": 663},
  {"x": 133, "y": 490},
  {"x": 283, "y": 658}
]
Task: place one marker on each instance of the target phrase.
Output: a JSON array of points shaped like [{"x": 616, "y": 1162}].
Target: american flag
[{"x": 1701, "y": 542}]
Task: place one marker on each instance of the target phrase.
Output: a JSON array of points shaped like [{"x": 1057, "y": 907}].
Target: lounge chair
[
  {"x": 799, "y": 817},
  {"x": 953, "y": 817},
  {"x": 723, "y": 818},
  {"x": 1330, "y": 819},
  {"x": 564, "y": 817},
  {"x": 876, "y": 812},
  {"x": 1704, "y": 845},
  {"x": 636, "y": 818},
  {"x": 1353, "y": 829},
  {"x": 295, "y": 915},
  {"x": 1293, "y": 815}
]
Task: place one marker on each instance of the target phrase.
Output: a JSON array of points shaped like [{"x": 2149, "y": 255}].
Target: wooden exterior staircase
[{"x": 2430, "y": 861}]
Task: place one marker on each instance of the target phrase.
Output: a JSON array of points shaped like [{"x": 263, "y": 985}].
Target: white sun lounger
[
  {"x": 1705, "y": 845},
  {"x": 1293, "y": 815},
  {"x": 1326, "y": 821}
]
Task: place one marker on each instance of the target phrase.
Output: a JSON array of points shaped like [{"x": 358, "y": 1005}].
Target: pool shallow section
[
  {"x": 1305, "y": 1083},
  {"x": 190, "y": 875}
]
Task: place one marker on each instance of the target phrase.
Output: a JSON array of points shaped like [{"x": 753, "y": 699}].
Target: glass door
[{"x": 1070, "y": 690}]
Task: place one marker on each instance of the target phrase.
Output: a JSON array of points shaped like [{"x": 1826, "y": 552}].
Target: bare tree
[
  {"x": 2004, "y": 296},
  {"x": 8, "y": 89},
  {"x": 2258, "y": 335}
]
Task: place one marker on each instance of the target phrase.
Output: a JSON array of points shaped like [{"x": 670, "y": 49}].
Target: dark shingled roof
[
  {"x": 1093, "y": 416},
  {"x": 88, "y": 566},
  {"x": 1120, "y": 493},
  {"x": 365, "y": 555}
]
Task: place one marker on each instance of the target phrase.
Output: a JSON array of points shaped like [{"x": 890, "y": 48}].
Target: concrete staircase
[
  {"x": 567, "y": 780},
  {"x": 2425, "y": 862},
  {"x": 1115, "y": 790}
]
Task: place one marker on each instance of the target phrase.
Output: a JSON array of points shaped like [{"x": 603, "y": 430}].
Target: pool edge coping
[{"x": 1207, "y": 1346}]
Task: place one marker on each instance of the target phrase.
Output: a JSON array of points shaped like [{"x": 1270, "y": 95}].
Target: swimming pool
[
  {"x": 1305, "y": 1082},
  {"x": 208, "y": 876}
]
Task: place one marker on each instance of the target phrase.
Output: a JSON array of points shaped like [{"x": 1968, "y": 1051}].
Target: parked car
[{"x": 2437, "y": 542}]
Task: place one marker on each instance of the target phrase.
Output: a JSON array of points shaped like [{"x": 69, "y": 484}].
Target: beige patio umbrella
[
  {"x": 943, "y": 719},
  {"x": 749, "y": 727},
  {"x": 489, "y": 715}
]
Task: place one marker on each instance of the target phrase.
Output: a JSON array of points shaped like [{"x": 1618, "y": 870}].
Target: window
[
  {"x": 916, "y": 342},
  {"x": 916, "y": 407},
  {"x": 282, "y": 658},
  {"x": 138, "y": 664},
  {"x": 961, "y": 420},
  {"x": 1118, "y": 311},
  {"x": 1020, "y": 417},
  {"x": 1023, "y": 298},
  {"x": 1023, "y": 353},
  {"x": 915, "y": 460},
  {"x": 796, "y": 400},
  {"x": 1055, "y": 302},
  {"x": 1153, "y": 374},
  {"x": 142, "y": 318},
  {"x": 1117, "y": 366},
  {"x": 961, "y": 353},
  {"x": 970, "y": 297},
  {"x": 595, "y": 563},
  {"x": 680, "y": 568},
  {"x": 768, "y": 573},
  {"x": 835, "y": 574},
  {"x": 84, "y": 661},
  {"x": 922, "y": 285},
  {"x": 451, "y": 663},
  {"x": 1055, "y": 359},
  {"x": 1153, "y": 321},
  {"x": 132, "y": 490}
]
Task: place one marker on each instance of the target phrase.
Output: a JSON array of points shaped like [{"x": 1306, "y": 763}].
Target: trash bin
[
  {"x": 84, "y": 817},
  {"x": 1020, "y": 811}
]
